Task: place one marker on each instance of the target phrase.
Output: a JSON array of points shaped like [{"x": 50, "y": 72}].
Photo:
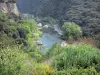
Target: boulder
[
  {"x": 39, "y": 42},
  {"x": 45, "y": 26},
  {"x": 64, "y": 43}
]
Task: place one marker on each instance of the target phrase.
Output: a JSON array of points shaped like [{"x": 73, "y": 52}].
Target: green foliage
[
  {"x": 97, "y": 67},
  {"x": 70, "y": 60},
  {"x": 75, "y": 60},
  {"x": 13, "y": 61},
  {"x": 55, "y": 50},
  {"x": 2, "y": 15},
  {"x": 85, "y": 13},
  {"x": 20, "y": 28},
  {"x": 22, "y": 32},
  {"x": 43, "y": 69},
  {"x": 6, "y": 41},
  {"x": 49, "y": 20},
  {"x": 76, "y": 71},
  {"x": 31, "y": 28},
  {"x": 71, "y": 31},
  {"x": 29, "y": 31},
  {"x": 7, "y": 26},
  {"x": 80, "y": 56}
]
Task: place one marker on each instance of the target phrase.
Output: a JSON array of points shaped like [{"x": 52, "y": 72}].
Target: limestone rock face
[{"x": 8, "y": 6}]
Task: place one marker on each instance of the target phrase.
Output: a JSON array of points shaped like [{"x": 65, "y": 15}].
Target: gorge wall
[{"x": 8, "y": 6}]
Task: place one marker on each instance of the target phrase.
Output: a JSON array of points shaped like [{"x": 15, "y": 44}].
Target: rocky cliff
[{"x": 8, "y": 6}]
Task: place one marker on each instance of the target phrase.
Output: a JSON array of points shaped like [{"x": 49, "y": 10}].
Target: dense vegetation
[
  {"x": 14, "y": 61},
  {"x": 21, "y": 55},
  {"x": 18, "y": 53},
  {"x": 85, "y": 13},
  {"x": 75, "y": 60},
  {"x": 71, "y": 31}
]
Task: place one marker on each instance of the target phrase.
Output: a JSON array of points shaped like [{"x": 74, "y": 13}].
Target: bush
[
  {"x": 55, "y": 50},
  {"x": 77, "y": 56},
  {"x": 76, "y": 71},
  {"x": 97, "y": 67},
  {"x": 19, "y": 31},
  {"x": 49, "y": 20},
  {"x": 13, "y": 61},
  {"x": 6, "y": 41},
  {"x": 2, "y": 15},
  {"x": 43, "y": 69},
  {"x": 71, "y": 31}
]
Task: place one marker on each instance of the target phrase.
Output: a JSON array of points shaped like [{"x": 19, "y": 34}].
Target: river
[{"x": 49, "y": 38}]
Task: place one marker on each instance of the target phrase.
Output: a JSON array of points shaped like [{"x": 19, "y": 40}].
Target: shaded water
[{"x": 49, "y": 39}]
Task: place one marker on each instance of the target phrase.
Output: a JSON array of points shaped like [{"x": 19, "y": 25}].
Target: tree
[
  {"x": 71, "y": 31},
  {"x": 85, "y": 13}
]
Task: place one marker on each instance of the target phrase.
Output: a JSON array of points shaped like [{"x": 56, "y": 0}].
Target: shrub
[
  {"x": 55, "y": 50},
  {"x": 97, "y": 67},
  {"x": 31, "y": 28},
  {"x": 49, "y": 20},
  {"x": 76, "y": 71},
  {"x": 43, "y": 69},
  {"x": 71, "y": 31},
  {"x": 6, "y": 41},
  {"x": 77, "y": 56},
  {"x": 13, "y": 61},
  {"x": 2, "y": 15}
]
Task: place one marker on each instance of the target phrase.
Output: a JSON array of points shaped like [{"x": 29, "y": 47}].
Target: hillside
[
  {"x": 49, "y": 37},
  {"x": 86, "y": 13}
]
